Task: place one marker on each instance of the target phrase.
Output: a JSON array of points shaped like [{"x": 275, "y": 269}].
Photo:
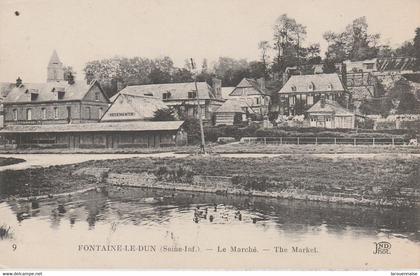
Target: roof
[
  {"x": 95, "y": 127},
  {"x": 54, "y": 58},
  {"x": 226, "y": 91},
  {"x": 252, "y": 85},
  {"x": 396, "y": 64},
  {"x": 133, "y": 107},
  {"x": 319, "y": 81},
  {"x": 329, "y": 107},
  {"x": 179, "y": 91},
  {"x": 48, "y": 91},
  {"x": 5, "y": 88},
  {"x": 234, "y": 106}
]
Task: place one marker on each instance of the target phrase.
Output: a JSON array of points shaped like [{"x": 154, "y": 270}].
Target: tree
[
  {"x": 288, "y": 36},
  {"x": 355, "y": 43},
  {"x": 264, "y": 47},
  {"x": 68, "y": 73},
  {"x": 164, "y": 114},
  {"x": 416, "y": 42}
]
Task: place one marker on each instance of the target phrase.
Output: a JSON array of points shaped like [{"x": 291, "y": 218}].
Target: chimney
[
  {"x": 261, "y": 83},
  {"x": 18, "y": 82},
  {"x": 89, "y": 77},
  {"x": 217, "y": 87}
]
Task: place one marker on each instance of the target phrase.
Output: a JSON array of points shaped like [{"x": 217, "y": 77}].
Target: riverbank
[
  {"x": 390, "y": 181},
  {"x": 7, "y": 161}
]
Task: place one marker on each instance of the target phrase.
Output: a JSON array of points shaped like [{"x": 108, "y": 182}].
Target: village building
[
  {"x": 69, "y": 114},
  {"x": 182, "y": 97},
  {"x": 301, "y": 92},
  {"x": 57, "y": 101},
  {"x": 254, "y": 93},
  {"x": 233, "y": 112},
  {"x": 330, "y": 114}
]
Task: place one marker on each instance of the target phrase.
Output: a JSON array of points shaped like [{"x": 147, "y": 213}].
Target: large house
[
  {"x": 254, "y": 93},
  {"x": 57, "y": 101},
  {"x": 301, "y": 92},
  {"x": 182, "y": 97},
  {"x": 52, "y": 115}
]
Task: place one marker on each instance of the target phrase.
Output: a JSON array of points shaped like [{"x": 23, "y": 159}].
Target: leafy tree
[
  {"x": 355, "y": 43},
  {"x": 288, "y": 36},
  {"x": 164, "y": 114},
  {"x": 68, "y": 73},
  {"x": 264, "y": 47},
  {"x": 416, "y": 43}
]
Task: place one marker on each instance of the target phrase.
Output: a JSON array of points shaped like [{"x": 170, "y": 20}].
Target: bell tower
[{"x": 55, "y": 70}]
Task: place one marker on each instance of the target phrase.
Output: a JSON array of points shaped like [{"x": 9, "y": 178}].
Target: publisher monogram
[{"x": 382, "y": 248}]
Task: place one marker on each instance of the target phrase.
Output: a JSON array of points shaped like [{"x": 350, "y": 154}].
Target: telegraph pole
[{"x": 202, "y": 146}]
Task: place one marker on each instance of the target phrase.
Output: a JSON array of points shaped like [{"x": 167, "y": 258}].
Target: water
[{"x": 61, "y": 231}]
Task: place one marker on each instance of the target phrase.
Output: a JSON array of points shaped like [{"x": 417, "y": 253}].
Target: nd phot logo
[{"x": 382, "y": 248}]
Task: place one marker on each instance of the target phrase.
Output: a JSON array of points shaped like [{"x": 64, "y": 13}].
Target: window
[
  {"x": 15, "y": 114},
  {"x": 69, "y": 114},
  {"x": 311, "y": 87},
  {"x": 101, "y": 112},
  {"x": 88, "y": 112},
  {"x": 192, "y": 95},
  {"x": 55, "y": 112},
  {"x": 29, "y": 114},
  {"x": 60, "y": 95},
  {"x": 369, "y": 66},
  {"x": 310, "y": 100},
  {"x": 97, "y": 96},
  {"x": 44, "y": 114},
  {"x": 257, "y": 100},
  {"x": 166, "y": 95}
]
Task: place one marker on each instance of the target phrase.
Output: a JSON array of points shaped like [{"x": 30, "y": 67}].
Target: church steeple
[{"x": 55, "y": 70}]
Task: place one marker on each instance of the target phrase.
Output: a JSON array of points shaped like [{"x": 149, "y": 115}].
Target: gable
[
  {"x": 96, "y": 94},
  {"x": 120, "y": 109}
]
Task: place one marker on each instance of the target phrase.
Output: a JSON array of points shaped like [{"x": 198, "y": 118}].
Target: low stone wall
[{"x": 405, "y": 197}]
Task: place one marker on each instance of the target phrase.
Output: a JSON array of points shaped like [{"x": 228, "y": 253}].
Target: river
[{"x": 148, "y": 228}]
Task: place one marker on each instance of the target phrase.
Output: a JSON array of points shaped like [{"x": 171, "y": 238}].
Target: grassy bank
[
  {"x": 386, "y": 178},
  {"x": 6, "y": 161}
]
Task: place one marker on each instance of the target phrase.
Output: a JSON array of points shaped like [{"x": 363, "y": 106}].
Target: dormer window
[
  {"x": 60, "y": 95},
  {"x": 166, "y": 95},
  {"x": 311, "y": 87},
  {"x": 34, "y": 96},
  {"x": 330, "y": 87},
  {"x": 192, "y": 95},
  {"x": 293, "y": 88}
]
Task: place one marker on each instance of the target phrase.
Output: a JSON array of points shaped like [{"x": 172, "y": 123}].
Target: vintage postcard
[{"x": 194, "y": 134}]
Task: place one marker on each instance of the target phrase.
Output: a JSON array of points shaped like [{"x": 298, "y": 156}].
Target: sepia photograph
[{"x": 210, "y": 135}]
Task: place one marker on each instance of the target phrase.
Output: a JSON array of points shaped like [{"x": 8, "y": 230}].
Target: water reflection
[{"x": 153, "y": 208}]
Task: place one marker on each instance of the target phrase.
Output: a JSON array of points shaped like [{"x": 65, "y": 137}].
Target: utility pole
[{"x": 202, "y": 146}]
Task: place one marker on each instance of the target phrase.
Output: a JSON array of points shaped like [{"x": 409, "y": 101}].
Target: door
[
  {"x": 109, "y": 141},
  {"x": 74, "y": 141}
]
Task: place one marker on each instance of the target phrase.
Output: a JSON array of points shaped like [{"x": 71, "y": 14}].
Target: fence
[{"x": 323, "y": 141}]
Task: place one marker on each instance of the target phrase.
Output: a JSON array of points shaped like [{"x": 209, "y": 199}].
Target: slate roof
[
  {"x": 48, "y": 91},
  {"x": 5, "y": 88},
  {"x": 320, "y": 82},
  {"x": 329, "y": 107},
  {"x": 143, "y": 107},
  {"x": 95, "y": 127},
  {"x": 179, "y": 91},
  {"x": 234, "y": 106}
]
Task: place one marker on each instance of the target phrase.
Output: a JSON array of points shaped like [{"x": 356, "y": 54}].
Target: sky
[{"x": 84, "y": 30}]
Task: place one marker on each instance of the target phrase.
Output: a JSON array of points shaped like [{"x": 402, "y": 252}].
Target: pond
[{"x": 149, "y": 228}]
